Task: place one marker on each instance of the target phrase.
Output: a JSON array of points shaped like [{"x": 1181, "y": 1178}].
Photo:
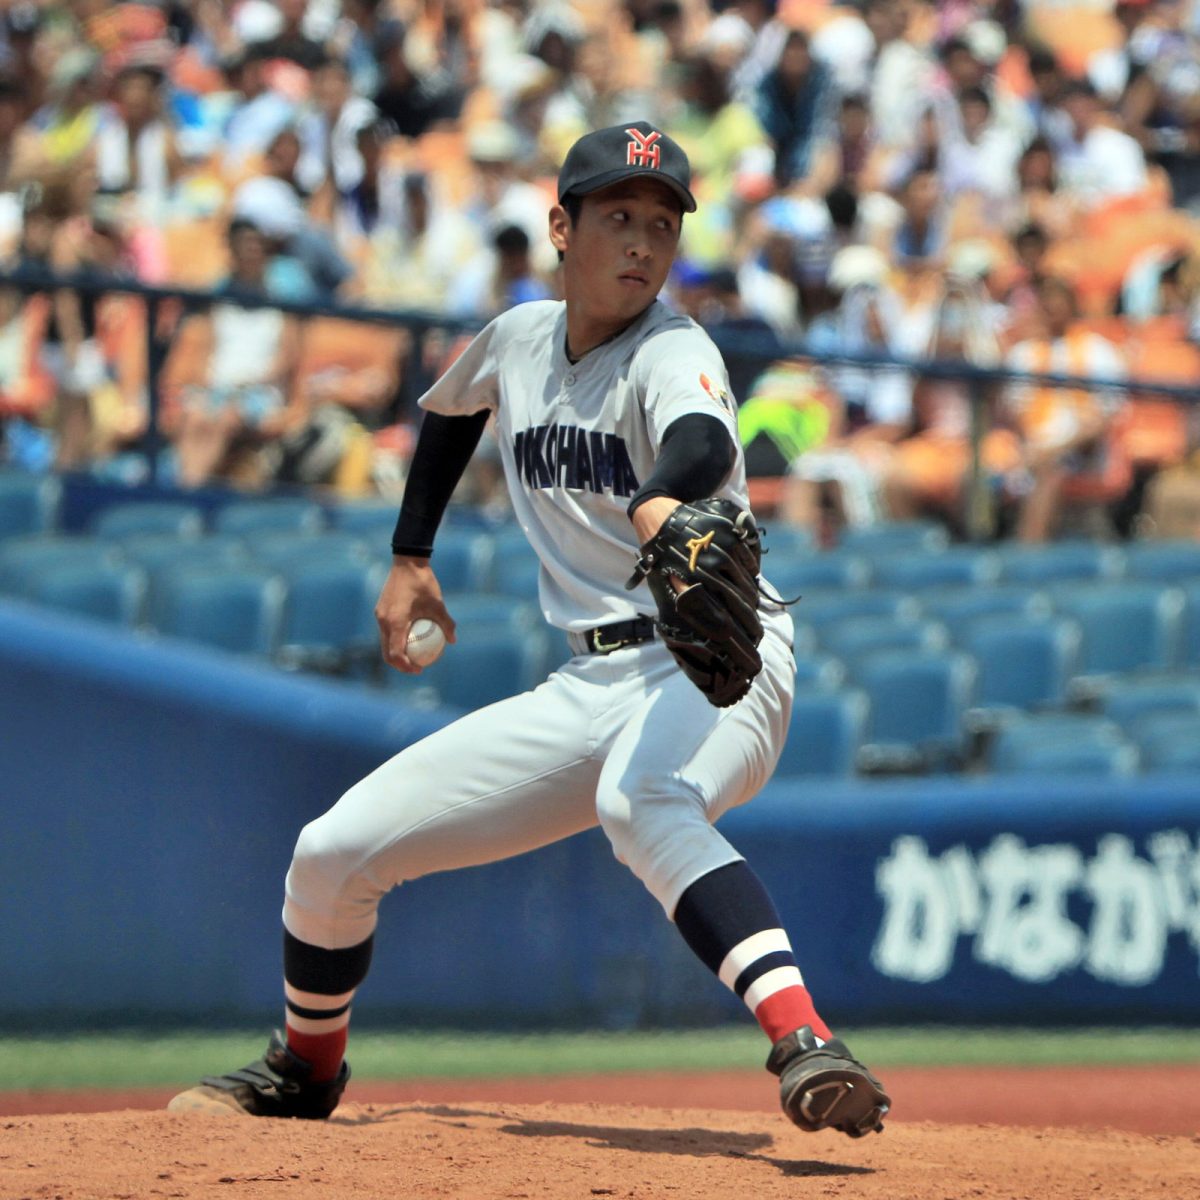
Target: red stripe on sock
[
  {"x": 323, "y": 1051},
  {"x": 784, "y": 1011}
]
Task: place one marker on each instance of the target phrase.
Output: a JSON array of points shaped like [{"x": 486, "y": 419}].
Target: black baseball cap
[{"x": 607, "y": 156}]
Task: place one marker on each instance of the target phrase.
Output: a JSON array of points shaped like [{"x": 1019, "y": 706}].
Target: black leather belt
[{"x": 604, "y": 639}]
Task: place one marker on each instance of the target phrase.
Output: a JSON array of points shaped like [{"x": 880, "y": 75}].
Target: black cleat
[
  {"x": 274, "y": 1086},
  {"x": 826, "y": 1087}
]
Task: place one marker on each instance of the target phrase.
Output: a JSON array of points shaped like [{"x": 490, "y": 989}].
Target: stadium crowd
[{"x": 1011, "y": 184}]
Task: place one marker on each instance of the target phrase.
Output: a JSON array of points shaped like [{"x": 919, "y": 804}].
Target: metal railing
[{"x": 761, "y": 347}]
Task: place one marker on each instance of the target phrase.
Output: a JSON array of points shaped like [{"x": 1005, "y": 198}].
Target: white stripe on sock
[
  {"x": 324, "y": 1025},
  {"x": 315, "y": 999},
  {"x": 770, "y": 983},
  {"x": 750, "y": 950}
]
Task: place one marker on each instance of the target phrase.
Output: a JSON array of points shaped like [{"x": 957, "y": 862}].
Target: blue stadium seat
[
  {"x": 1058, "y": 562},
  {"x": 891, "y": 537},
  {"x": 280, "y": 550},
  {"x": 958, "y": 608},
  {"x": 785, "y": 541},
  {"x": 1072, "y": 758},
  {"x": 369, "y": 520},
  {"x": 1022, "y": 662},
  {"x": 855, "y": 637},
  {"x": 23, "y": 557},
  {"x": 103, "y": 591},
  {"x": 476, "y": 609},
  {"x": 29, "y": 504},
  {"x": 462, "y": 559},
  {"x": 821, "y": 609},
  {"x": 1168, "y": 741},
  {"x": 1063, "y": 744},
  {"x": 516, "y": 575},
  {"x": 960, "y": 566},
  {"x": 163, "y": 554},
  {"x": 918, "y": 699},
  {"x": 231, "y": 608},
  {"x": 820, "y": 671},
  {"x": 1189, "y": 644},
  {"x": 328, "y": 619},
  {"x": 1163, "y": 562},
  {"x": 242, "y": 517},
  {"x": 489, "y": 665},
  {"x": 825, "y": 733},
  {"x": 1125, "y": 626},
  {"x": 831, "y": 569},
  {"x": 161, "y": 516},
  {"x": 1128, "y": 701}
]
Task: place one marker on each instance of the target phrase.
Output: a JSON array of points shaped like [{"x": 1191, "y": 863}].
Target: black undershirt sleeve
[
  {"x": 444, "y": 447},
  {"x": 694, "y": 459}
]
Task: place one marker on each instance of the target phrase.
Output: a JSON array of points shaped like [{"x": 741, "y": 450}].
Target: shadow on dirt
[{"x": 692, "y": 1143}]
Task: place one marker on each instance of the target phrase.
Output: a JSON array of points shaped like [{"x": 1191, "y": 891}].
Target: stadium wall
[{"x": 152, "y": 792}]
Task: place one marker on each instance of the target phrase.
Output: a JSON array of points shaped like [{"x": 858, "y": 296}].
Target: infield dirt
[{"x": 493, "y": 1149}]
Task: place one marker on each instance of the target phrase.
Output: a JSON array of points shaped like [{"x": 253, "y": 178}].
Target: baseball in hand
[{"x": 426, "y": 641}]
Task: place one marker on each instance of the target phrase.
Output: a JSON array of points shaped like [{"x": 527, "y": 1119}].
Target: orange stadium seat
[
  {"x": 197, "y": 254},
  {"x": 1153, "y": 430}
]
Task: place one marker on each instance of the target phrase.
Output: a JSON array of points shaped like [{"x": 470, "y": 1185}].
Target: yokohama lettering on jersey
[{"x": 576, "y": 439}]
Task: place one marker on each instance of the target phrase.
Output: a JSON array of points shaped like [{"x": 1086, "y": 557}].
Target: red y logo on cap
[{"x": 641, "y": 150}]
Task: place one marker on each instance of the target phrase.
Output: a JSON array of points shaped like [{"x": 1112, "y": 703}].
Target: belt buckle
[{"x": 601, "y": 647}]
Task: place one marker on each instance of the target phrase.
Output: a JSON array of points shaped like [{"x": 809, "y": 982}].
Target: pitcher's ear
[{"x": 560, "y": 228}]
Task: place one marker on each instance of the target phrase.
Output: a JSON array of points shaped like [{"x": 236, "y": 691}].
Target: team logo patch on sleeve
[{"x": 716, "y": 392}]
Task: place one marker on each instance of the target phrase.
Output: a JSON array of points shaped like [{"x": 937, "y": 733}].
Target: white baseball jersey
[{"x": 578, "y": 439}]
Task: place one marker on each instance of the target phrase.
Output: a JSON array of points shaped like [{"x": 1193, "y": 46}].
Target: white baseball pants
[{"x": 623, "y": 740}]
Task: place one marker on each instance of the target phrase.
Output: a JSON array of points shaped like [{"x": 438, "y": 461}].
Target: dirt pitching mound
[{"x": 530, "y": 1152}]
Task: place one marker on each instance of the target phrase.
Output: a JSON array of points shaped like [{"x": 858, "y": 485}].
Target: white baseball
[{"x": 426, "y": 641}]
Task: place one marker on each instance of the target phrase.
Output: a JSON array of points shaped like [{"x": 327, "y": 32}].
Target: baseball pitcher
[{"x": 620, "y": 450}]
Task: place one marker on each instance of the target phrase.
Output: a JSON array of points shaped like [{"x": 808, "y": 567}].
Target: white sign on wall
[{"x": 1011, "y": 900}]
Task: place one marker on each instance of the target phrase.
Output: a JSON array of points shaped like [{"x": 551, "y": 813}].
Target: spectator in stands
[
  {"x": 1160, "y": 106},
  {"x": 308, "y": 264},
  {"x": 1100, "y": 163},
  {"x": 498, "y": 279},
  {"x": 901, "y": 76},
  {"x": 373, "y": 203},
  {"x": 356, "y": 38},
  {"x": 97, "y": 346},
  {"x": 68, "y": 122},
  {"x": 876, "y": 402},
  {"x": 414, "y": 102},
  {"x": 969, "y": 60},
  {"x": 1164, "y": 281},
  {"x": 291, "y": 42},
  {"x": 1039, "y": 199},
  {"x": 244, "y": 400},
  {"x": 928, "y": 471},
  {"x": 716, "y": 131},
  {"x": 414, "y": 263},
  {"x": 136, "y": 148},
  {"x": 769, "y": 33},
  {"x": 1063, "y": 431},
  {"x": 920, "y": 240},
  {"x": 327, "y": 130},
  {"x": 498, "y": 196},
  {"x": 1044, "y": 102},
  {"x": 977, "y": 154},
  {"x": 251, "y": 113},
  {"x": 795, "y": 104}
]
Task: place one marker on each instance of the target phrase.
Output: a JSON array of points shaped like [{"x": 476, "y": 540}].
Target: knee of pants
[
  {"x": 642, "y": 816},
  {"x": 326, "y": 865}
]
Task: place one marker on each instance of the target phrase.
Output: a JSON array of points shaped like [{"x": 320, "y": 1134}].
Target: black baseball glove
[{"x": 711, "y": 626}]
